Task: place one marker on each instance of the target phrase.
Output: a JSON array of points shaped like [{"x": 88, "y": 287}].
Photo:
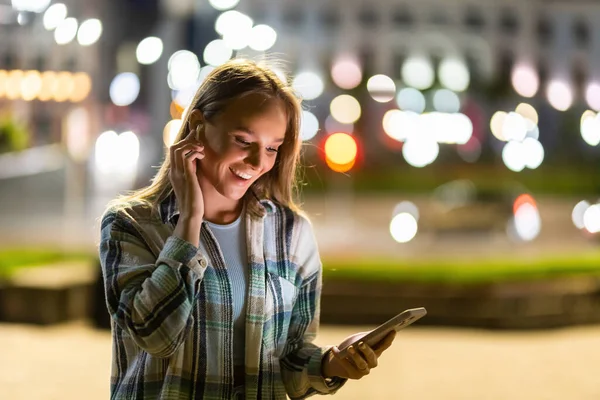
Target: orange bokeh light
[
  {"x": 340, "y": 152},
  {"x": 521, "y": 200}
]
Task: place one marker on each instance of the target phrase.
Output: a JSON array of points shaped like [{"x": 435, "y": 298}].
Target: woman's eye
[
  {"x": 273, "y": 150},
  {"x": 242, "y": 141}
]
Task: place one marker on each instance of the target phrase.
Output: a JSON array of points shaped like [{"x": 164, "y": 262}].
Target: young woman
[{"x": 212, "y": 274}]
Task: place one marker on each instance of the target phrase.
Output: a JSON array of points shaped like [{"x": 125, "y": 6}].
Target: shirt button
[{"x": 203, "y": 262}]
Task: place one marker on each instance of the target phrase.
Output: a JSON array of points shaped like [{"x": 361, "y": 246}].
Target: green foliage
[
  {"x": 13, "y": 259},
  {"x": 13, "y": 136}
]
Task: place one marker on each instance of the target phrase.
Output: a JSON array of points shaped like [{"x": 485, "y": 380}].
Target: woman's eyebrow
[{"x": 251, "y": 132}]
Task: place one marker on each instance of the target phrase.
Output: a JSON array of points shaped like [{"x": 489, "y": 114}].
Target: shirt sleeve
[
  {"x": 301, "y": 363},
  {"x": 151, "y": 298}
]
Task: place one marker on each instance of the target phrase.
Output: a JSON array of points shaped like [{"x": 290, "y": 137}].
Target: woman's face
[{"x": 240, "y": 145}]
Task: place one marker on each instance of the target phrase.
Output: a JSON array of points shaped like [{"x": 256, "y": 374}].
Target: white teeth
[{"x": 241, "y": 174}]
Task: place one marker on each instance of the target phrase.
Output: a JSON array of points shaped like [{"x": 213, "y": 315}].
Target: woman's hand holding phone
[{"x": 183, "y": 177}]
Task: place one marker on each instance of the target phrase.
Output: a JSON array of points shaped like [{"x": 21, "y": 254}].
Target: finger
[
  {"x": 181, "y": 154},
  {"x": 385, "y": 343},
  {"x": 368, "y": 354},
  {"x": 360, "y": 363},
  {"x": 190, "y": 164},
  {"x": 343, "y": 367}
]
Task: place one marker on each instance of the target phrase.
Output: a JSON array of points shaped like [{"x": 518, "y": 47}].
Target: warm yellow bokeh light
[
  {"x": 3, "y": 79},
  {"x": 527, "y": 111},
  {"x": 345, "y": 109},
  {"x": 82, "y": 86},
  {"x": 341, "y": 150},
  {"x": 31, "y": 85},
  {"x": 587, "y": 114},
  {"x": 64, "y": 87},
  {"x": 497, "y": 124},
  {"x": 340, "y": 167},
  {"x": 176, "y": 110},
  {"x": 49, "y": 83},
  {"x": 170, "y": 131},
  {"x": 13, "y": 84}
]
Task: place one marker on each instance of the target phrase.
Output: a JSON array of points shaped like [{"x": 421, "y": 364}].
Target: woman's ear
[{"x": 196, "y": 123}]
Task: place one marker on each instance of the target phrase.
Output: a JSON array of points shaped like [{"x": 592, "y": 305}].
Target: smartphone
[{"x": 400, "y": 321}]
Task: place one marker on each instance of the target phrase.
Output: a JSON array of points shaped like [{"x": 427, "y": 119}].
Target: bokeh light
[
  {"x": 514, "y": 157},
  {"x": 332, "y": 125},
  {"x": 65, "y": 86},
  {"x": 124, "y": 89},
  {"x": 590, "y": 128},
  {"x": 411, "y": 99},
  {"x": 382, "y": 88},
  {"x": 35, "y": 6},
  {"x": 149, "y": 50},
  {"x": 308, "y": 85},
  {"x": 420, "y": 151},
  {"x": 237, "y": 30},
  {"x": 525, "y": 80},
  {"x": 217, "y": 53},
  {"x": 560, "y": 95},
  {"x": 54, "y": 15},
  {"x": 454, "y": 74},
  {"x": 340, "y": 152},
  {"x": 184, "y": 69},
  {"x": 578, "y": 213},
  {"x": 400, "y": 125},
  {"x": 497, "y": 125},
  {"x": 89, "y": 32},
  {"x": 527, "y": 111},
  {"x": 346, "y": 72},
  {"x": 446, "y": 101},
  {"x": 12, "y": 88},
  {"x": 591, "y": 218},
  {"x": 514, "y": 127},
  {"x": 345, "y": 108},
  {"x": 31, "y": 85},
  {"x": 66, "y": 31},
  {"x": 592, "y": 95},
  {"x": 309, "y": 125},
  {"x": 49, "y": 86},
  {"x": 222, "y": 5},
  {"x": 527, "y": 222},
  {"x": 404, "y": 227},
  {"x": 262, "y": 38},
  {"x": 170, "y": 131},
  {"x": 418, "y": 72}
]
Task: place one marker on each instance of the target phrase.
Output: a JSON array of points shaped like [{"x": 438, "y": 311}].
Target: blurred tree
[{"x": 13, "y": 135}]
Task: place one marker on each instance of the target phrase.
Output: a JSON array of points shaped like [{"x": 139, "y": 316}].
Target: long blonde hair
[{"x": 232, "y": 80}]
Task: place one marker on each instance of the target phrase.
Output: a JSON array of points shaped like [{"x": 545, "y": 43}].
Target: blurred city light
[
  {"x": 590, "y": 128},
  {"x": 89, "y": 32},
  {"x": 217, "y": 53},
  {"x": 308, "y": 85},
  {"x": 345, "y": 109},
  {"x": 406, "y": 207},
  {"x": 262, "y": 38},
  {"x": 3, "y": 80},
  {"x": 235, "y": 27},
  {"x": 579, "y": 212},
  {"x": 411, "y": 99},
  {"x": 418, "y": 72},
  {"x": 184, "y": 70},
  {"x": 527, "y": 221},
  {"x": 222, "y": 5},
  {"x": 497, "y": 125},
  {"x": 170, "y": 131},
  {"x": 446, "y": 101},
  {"x": 534, "y": 153},
  {"x": 454, "y": 74},
  {"x": 527, "y": 111},
  {"x": 31, "y": 85},
  {"x": 54, "y": 16},
  {"x": 525, "y": 80},
  {"x": 149, "y": 50},
  {"x": 591, "y": 218},
  {"x": 420, "y": 151},
  {"x": 82, "y": 84},
  {"x": 346, "y": 72},
  {"x": 12, "y": 90},
  {"x": 124, "y": 89},
  {"x": 382, "y": 88},
  {"x": 115, "y": 154},
  {"x": 66, "y": 31},
  {"x": 77, "y": 134},
  {"x": 404, "y": 227},
  {"x": 560, "y": 95},
  {"x": 470, "y": 151},
  {"x": 49, "y": 83},
  {"x": 309, "y": 125},
  {"x": 399, "y": 125},
  {"x": 514, "y": 157},
  {"x": 65, "y": 86},
  {"x": 340, "y": 152},
  {"x": 514, "y": 127},
  {"x": 36, "y": 6},
  {"x": 592, "y": 95}
]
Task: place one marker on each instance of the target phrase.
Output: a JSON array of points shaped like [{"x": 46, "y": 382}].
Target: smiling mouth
[{"x": 241, "y": 175}]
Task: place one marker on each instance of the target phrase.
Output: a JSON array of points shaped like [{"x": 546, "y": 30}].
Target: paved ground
[{"x": 72, "y": 361}]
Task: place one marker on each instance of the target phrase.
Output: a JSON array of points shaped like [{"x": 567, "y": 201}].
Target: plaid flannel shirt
[{"x": 171, "y": 307}]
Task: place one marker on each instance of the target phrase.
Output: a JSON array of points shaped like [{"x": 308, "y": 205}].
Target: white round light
[
  {"x": 514, "y": 127},
  {"x": 591, "y": 218},
  {"x": 534, "y": 152},
  {"x": 89, "y": 32},
  {"x": 54, "y": 15},
  {"x": 592, "y": 95},
  {"x": 514, "y": 156},
  {"x": 36, "y": 6},
  {"x": 345, "y": 108},
  {"x": 590, "y": 130},
  {"x": 124, "y": 89},
  {"x": 497, "y": 125},
  {"x": 454, "y": 74},
  {"x": 308, "y": 85},
  {"x": 418, "y": 73},
  {"x": 231, "y": 22},
  {"x": 217, "y": 53},
  {"x": 560, "y": 95},
  {"x": 262, "y": 38},
  {"x": 403, "y": 227},
  {"x": 346, "y": 72},
  {"x": 382, "y": 88},
  {"x": 410, "y": 99},
  {"x": 149, "y": 50},
  {"x": 222, "y": 5},
  {"x": 578, "y": 213},
  {"x": 309, "y": 125},
  {"x": 528, "y": 223},
  {"x": 419, "y": 151},
  {"x": 525, "y": 80},
  {"x": 66, "y": 31},
  {"x": 184, "y": 70}
]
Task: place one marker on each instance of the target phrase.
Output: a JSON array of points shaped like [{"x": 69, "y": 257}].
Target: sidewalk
[{"x": 72, "y": 362}]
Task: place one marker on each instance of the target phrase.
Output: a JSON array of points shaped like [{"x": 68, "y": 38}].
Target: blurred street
[{"x": 72, "y": 362}]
